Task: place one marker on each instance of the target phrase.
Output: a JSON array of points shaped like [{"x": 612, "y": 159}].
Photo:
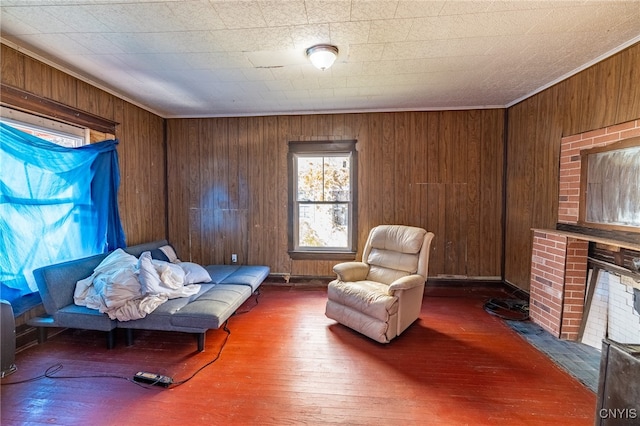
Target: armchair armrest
[
  {"x": 405, "y": 283},
  {"x": 351, "y": 271}
]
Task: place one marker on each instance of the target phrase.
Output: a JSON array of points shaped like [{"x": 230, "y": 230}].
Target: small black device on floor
[
  {"x": 152, "y": 379},
  {"x": 7, "y": 339}
]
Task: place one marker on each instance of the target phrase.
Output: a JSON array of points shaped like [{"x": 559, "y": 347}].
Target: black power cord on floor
[
  {"x": 49, "y": 374},
  {"x": 55, "y": 368},
  {"x": 224, "y": 343},
  {"x": 257, "y": 293},
  {"x": 508, "y": 309}
]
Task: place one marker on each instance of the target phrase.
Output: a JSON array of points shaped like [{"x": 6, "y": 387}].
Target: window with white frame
[
  {"x": 53, "y": 131},
  {"x": 322, "y": 197}
]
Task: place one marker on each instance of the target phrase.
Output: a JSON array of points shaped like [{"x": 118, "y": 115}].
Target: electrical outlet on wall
[{"x": 234, "y": 258}]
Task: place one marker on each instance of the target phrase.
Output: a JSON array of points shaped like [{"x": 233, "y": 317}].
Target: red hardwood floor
[{"x": 285, "y": 363}]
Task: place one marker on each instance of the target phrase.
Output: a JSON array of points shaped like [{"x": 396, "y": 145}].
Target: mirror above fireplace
[{"x": 610, "y": 186}]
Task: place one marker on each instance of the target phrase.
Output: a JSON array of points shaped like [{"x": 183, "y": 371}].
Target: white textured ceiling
[{"x": 201, "y": 58}]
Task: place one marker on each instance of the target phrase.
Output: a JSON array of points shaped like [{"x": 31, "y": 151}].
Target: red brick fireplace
[
  {"x": 559, "y": 258},
  {"x": 558, "y": 278}
]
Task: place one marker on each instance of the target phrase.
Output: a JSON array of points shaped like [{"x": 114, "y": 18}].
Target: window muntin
[{"x": 322, "y": 197}]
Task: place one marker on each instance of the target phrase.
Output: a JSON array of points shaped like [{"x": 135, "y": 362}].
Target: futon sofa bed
[{"x": 207, "y": 308}]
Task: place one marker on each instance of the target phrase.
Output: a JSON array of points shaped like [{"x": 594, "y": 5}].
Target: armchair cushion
[
  {"x": 393, "y": 251},
  {"x": 385, "y": 275},
  {"x": 364, "y": 296},
  {"x": 403, "y": 239},
  {"x": 406, "y": 262}
]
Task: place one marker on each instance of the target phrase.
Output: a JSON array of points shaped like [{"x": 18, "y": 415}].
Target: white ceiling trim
[
  {"x": 316, "y": 112},
  {"x": 577, "y": 70},
  {"x": 288, "y": 113},
  {"x": 220, "y": 58},
  {"x": 74, "y": 74}
]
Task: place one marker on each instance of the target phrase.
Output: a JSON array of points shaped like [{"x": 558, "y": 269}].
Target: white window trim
[
  {"x": 325, "y": 148},
  {"x": 24, "y": 121}
]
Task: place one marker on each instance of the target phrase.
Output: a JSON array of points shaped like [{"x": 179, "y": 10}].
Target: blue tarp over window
[{"x": 56, "y": 204}]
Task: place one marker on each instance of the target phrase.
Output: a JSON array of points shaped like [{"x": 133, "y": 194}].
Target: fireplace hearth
[{"x": 573, "y": 264}]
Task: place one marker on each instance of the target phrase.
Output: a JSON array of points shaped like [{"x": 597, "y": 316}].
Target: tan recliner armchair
[{"x": 382, "y": 295}]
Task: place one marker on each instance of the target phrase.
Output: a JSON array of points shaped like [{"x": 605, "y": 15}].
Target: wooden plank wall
[
  {"x": 411, "y": 169},
  {"x": 605, "y": 94},
  {"x": 141, "y": 151},
  {"x": 227, "y": 185}
]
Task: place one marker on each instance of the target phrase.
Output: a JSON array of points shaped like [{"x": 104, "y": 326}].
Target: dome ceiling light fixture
[{"x": 322, "y": 56}]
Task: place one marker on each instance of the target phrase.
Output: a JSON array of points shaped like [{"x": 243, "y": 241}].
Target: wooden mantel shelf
[{"x": 594, "y": 238}]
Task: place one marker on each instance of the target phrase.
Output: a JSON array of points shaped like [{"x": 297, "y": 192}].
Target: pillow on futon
[
  {"x": 194, "y": 273},
  {"x": 166, "y": 253},
  {"x": 156, "y": 276}
]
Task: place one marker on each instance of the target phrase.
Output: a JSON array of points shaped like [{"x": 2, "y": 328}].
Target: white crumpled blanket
[{"x": 127, "y": 288}]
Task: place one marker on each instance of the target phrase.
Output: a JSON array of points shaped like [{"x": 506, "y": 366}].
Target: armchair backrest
[{"x": 395, "y": 251}]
